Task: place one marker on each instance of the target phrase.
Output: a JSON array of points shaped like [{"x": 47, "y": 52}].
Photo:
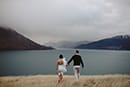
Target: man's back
[{"x": 76, "y": 60}]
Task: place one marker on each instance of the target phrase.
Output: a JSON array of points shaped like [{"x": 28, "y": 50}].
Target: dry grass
[{"x": 68, "y": 81}]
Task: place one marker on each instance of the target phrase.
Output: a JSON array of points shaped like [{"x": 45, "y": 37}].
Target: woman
[{"x": 61, "y": 67}]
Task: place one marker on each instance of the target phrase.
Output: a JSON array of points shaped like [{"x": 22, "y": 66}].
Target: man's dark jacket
[{"x": 77, "y": 60}]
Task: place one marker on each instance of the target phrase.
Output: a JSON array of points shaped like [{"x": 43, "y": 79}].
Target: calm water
[{"x": 43, "y": 62}]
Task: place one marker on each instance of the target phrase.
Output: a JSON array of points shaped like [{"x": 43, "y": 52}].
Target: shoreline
[
  {"x": 68, "y": 81},
  {"x": 45, "y": 75},
  {"x": 53, "y": 75}
]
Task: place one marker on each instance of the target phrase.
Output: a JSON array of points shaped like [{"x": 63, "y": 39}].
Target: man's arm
[
  {"x": 82, "y": 62},
  {"x": 70, "y": 61}
]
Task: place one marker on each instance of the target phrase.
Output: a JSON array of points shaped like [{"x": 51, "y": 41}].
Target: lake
[{"x": 97, "y": 62}]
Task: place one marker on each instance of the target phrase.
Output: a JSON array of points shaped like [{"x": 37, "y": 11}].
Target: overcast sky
[{"x": 57, "y": 20}]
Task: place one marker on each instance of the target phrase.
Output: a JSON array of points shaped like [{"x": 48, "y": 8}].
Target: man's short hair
[{"x": 77, "y": 51}]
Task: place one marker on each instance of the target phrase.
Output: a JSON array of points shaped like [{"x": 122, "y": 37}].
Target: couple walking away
[{"x": 62, "y": 63}]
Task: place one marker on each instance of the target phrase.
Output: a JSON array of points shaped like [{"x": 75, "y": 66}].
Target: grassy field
[{"x": 68, "y": 81}]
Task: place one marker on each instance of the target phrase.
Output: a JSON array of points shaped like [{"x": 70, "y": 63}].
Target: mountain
[
  {"x": 67, "y": 44},
  {"x": 121, "y": 42},
  {"x": 71, "y": 44},
  {"x": 11, "y": 40}
]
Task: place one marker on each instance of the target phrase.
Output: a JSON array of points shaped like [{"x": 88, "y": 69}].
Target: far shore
[{"x": 68, "y": 81}]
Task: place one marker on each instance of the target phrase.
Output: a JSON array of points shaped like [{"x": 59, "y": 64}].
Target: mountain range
[
  {"x": 66, "y": 44},
  {"x": 12, "y": 40},
  {"x": 120, "y": 42}
]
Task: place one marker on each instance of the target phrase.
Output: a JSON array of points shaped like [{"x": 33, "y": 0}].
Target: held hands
[{"x": 67, "y": 65}]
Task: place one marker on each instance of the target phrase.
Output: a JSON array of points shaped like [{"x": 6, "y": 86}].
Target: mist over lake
[{"x": 97, "y": 62}]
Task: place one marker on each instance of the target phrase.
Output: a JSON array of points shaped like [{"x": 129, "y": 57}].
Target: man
[{"x": 77, "y": 60}]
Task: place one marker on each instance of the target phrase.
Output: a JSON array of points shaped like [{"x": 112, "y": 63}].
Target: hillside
[
  {"x": 11, "y": 40},
  {"x": 121, "y": 42}
]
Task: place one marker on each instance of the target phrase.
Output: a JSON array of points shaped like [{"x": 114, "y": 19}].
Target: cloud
[{"x": 56, "y": 20}]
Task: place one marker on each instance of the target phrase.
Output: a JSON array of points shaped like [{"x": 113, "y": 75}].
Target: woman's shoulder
[{"x": 60, "y": 60}]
